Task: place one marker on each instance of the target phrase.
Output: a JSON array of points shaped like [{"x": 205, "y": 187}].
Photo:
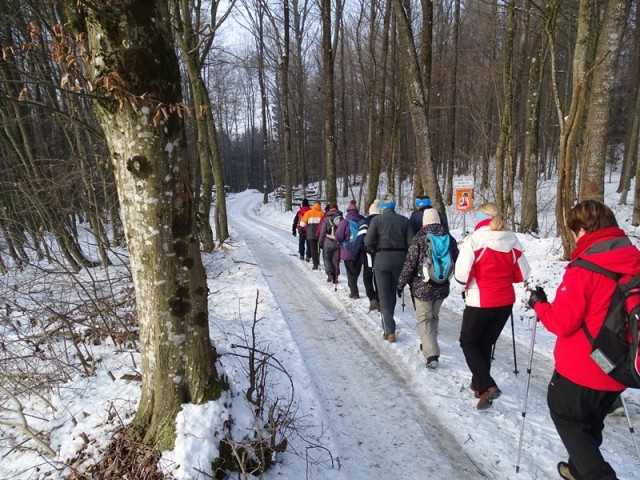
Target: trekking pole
[
  {"x": 337, "y": 266},
  {"x": 403, "y": 299},
  {"x": 493, "y": 352},
  {"x": 626, "y": 414},
  {"x": 526, "y": 393},
  {"x": 513, "y": 336}
]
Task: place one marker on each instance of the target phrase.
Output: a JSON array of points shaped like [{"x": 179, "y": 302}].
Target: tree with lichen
[{"x": 128, "y": 57}]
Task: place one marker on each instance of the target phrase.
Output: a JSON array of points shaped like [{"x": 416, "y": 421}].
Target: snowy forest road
[
  {"x": 387, "y": 416},
  {"x": 379, "y": 424}
]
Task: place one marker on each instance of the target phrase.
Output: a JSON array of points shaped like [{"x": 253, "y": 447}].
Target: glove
[
  {"x": 293, "y": 232},
  {"x": 400, "y": 292},
  {"x": 536, "y": 296}
]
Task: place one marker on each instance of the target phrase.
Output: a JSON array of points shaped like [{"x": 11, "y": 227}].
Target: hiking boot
[
  {"x": 354, "y": 295},
  {"x": 432, "y": 362},
  {"x": 389, "y": 337},
  {"x": 493, "y": 392},
  {"x": 374, "y": 304},
  {"x": 485, "y": 401},
  {"x": 301, "y": 257},
  {"x": 307, "y": 259},
  {"x": 617, "y": 409},
  {"x": 329, "y": 278},
  {"x": 564, "y": 471},
  {"x": 315, "y": 267}
]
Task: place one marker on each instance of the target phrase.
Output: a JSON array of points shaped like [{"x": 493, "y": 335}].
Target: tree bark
[
  {"x": 133, "y": 68},
  {"x": 329, "y": 96},
  {"x": 593, "y": 161},
  {"x": 417, "y": 105}
]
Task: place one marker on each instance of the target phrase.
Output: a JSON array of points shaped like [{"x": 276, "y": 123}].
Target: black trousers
[
  {"x": 368, "y": 277},
  {"x": 313, "y": 251},
  {"x": 353, "y": 268},
  {"x": 480, "y": 329},
  {"x": 578, "y": 414}
]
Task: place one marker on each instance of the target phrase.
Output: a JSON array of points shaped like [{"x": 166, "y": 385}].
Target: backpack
[
  {"x": 616, "y": 346},
  {"x": 334, "y": 222},
  {"x": 435, "y": 264},
  {"x": 356, "y": 236}
]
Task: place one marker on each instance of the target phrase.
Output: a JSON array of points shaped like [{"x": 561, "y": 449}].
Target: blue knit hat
[
  {"x": 422, "y": 201},
  {"x": 388, "y": 201}
]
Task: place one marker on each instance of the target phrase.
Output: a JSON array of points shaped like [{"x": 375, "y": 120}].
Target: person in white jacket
[{"x": 490, "y": 262}]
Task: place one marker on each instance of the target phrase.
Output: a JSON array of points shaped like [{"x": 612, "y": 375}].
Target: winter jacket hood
[
  {"x": 490, "y": 262},
  {"x": 311, "y": 219}
]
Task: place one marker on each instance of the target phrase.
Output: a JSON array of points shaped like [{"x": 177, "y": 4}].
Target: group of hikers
[{"x": 394, "y": 251}]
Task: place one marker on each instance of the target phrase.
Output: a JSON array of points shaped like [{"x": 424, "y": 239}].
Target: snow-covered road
[{"x": 387, "y": 416}]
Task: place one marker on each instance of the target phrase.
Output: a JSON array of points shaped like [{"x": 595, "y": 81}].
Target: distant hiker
[
  {"x": 311, "y": 220},
  {"x": 489, "y": 263},
  {"x": 422, "y": 203},
  {"x": 580, "y": 393},
  {"x": 428, "y": 296},
  {"x": 351, "y": 256},
  {"x": 368, "y": 256},
  {"x": 302, "y": 231},
  {"x": 327, "y": 239},
  {"x": 389, "y": 235}
]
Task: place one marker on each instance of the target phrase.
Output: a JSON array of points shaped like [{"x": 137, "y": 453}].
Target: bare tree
[
  {"x": 196, "y": 46},
  {"x": 417, "y": 103},
  {"x": 593, "y": 160},
  {"x": 138, "y": 104}
]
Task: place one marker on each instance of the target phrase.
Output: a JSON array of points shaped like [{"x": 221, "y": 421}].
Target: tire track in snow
[{"x": 381, "y": 426}]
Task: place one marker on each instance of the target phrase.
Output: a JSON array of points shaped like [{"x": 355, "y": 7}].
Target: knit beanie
[
  {"x": 352, "y": 206},
  {"x": 374, "y": 209},
  {"x": 388, "y": 201},
  {"x": 430, "y": 216},
  {"x": 305, "y": 202},
  {"x": 423, "y": 201}
]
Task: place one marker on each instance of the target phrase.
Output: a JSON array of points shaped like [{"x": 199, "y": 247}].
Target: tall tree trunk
[
  {"x": 284, "y": 106},
  {"x": 149, "y": 156},
  {"x": 529, "y": 214},
  {"x": 506, "y": 121},
  {"x": 329, "y": 107},
  {"x": 417, "y": 105},
  {"x": 376, "y": 103},
  {"x": 448, "y": 196},
  {"x": 570, "y": 125},
  {"x": 593, "y": 161}
]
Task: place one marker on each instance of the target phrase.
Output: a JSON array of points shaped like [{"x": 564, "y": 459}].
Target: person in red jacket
[
  {"x": 490, "y": 262},
  {"x": 580, "y": 394},
  {"x": 302, "y": 230}
]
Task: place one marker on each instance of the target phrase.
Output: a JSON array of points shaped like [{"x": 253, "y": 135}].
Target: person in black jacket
[
  {"x": 389, "y": 235},
  {"x": 422, "y": 203}
]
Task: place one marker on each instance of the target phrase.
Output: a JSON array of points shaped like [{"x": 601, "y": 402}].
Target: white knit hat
[
  {"x": 430, "y": 216},
  {"x": 374, "y": 209}
]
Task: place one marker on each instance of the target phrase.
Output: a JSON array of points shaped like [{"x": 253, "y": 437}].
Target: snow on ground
[{"x": 363, "y": 409}]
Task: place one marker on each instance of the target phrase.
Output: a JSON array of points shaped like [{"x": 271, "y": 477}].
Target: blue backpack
[
  {"x": 435, "y": 264},
  {"x": 356, "y": 237}
]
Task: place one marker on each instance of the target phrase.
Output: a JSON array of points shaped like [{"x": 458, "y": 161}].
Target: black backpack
[{"x": 616, "y": 346}]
